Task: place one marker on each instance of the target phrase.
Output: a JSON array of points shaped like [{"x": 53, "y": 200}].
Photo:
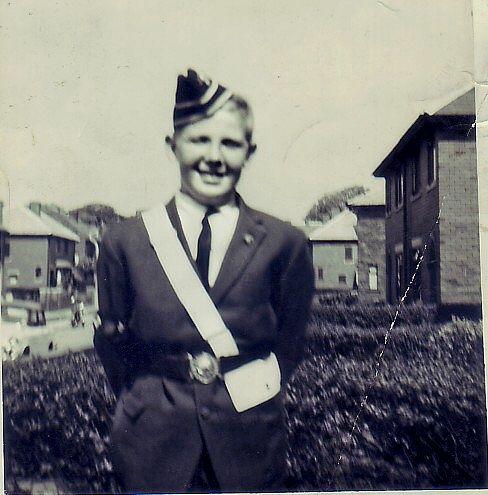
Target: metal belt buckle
[{"x": 204, "y": 367}]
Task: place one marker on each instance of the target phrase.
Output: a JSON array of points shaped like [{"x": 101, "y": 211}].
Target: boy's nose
[{"x": 213, "y": 154}]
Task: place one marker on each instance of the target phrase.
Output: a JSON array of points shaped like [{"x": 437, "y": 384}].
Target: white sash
[{"x": 249, "y": 385}]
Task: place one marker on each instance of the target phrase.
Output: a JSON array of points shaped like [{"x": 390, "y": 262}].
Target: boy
[{"x": 180, "y": 423}]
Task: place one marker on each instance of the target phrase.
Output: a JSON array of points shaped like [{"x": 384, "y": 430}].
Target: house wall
[
  {"x": 370, "y": 230},
  {"x": 26, "y": 254},
  {"x": 460, "y": 276},
  {"x": 330, "y": 257},
  {"x": 413, "y": 226}
]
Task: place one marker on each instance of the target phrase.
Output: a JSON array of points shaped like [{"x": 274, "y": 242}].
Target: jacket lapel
[{"x": 249, "y": 234}]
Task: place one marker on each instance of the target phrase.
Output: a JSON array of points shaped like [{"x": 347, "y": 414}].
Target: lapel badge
[{"x": 248, "y": 239}]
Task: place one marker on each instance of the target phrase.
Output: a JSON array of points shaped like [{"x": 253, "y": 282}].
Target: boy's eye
[
  {"x": 232, "y": 143},
  {"x": 199, "y": 139}
]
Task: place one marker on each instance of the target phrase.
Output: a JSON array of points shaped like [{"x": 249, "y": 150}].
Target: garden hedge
[{"x": 422, "y": 425}]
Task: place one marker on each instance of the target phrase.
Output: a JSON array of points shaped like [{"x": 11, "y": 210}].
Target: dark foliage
[
  {"x": 330, "y": 204},
  {"x": 56, "y": 420},
  {"x": 422, "y": 420},
  {"x": 421, "y": 426},
  {"x": 346, "y": 311},
  {"x": 97, "y": 214}
]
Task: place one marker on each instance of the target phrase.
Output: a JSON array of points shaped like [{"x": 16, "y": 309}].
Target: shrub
[
  {"x": 348, "y": 313},
  {"x": 57, "y": 415},
  {"x": 421, "y": 426}
]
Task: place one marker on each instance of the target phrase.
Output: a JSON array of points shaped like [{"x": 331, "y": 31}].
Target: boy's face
[{"x": 211, "y": 154}]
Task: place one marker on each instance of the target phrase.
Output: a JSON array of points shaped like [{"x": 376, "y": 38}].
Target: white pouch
[{"x": 253, "y": 383}]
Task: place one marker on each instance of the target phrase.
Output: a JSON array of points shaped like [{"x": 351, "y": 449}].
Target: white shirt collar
[{"x": 186, "y": 204}]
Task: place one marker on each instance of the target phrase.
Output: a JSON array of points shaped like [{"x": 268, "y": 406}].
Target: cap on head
[{"x": 197, "y": 97}]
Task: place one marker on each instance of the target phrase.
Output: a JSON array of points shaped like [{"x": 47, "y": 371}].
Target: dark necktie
[{"x": 204, "y": 244}]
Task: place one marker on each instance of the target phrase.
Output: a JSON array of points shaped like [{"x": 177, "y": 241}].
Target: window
[
  {"x": 399, "y": 185},
  {"x": 373, "y": 277},
  {"x": 90, "y": 249},
  {"x": 415, "y": 169},
  {"x": 320, "y": 273},
  {"x": 348, "y": 254},
  {"x": 398, "y": 276},
  {"x": 431, "y": 163},
  {"x": 416, "y": 276},
  {"x": 388, "y": 194},
  {"x": 4, "y": 247},
  {"x": 12, "y": 279},
  {"x": 389, "y": 277},
  {"x": 38, "y": 271},
  {"x": 52, "y": 278},
  {"x": 342, "y": 279}
]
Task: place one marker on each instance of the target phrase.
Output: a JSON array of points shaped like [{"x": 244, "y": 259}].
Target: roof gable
[
  {"x": 23, "y": 221},
  {"x": 463, "y": 105},
  {"x": 462, "y": 108},
  {"x": 339, "y": 228}
]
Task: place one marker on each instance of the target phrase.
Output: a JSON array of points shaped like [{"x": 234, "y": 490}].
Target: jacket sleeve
[
  {"x": 293, "y": 306},
  {"x": 114, "y": 301}
]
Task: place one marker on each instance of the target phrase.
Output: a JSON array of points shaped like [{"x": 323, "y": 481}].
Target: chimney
[{"x": 36, "y": 208}]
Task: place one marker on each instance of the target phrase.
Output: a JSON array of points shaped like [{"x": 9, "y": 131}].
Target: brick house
[
  {"x": 370, "y": 229},
  {"x": 432, "y": 209},
  {"x": 41, "y": 258},
  {"x": 86, "y": 250},
  {"x": 334, "y": 248}
]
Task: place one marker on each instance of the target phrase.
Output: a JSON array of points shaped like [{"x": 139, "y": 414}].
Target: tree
[
  {"x": 97, "y": 214},
  {"x": 329, "y": 204}
]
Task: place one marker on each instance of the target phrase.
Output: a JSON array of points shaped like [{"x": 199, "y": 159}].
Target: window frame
[
  {"x": 399, "y": 191},
  {"x": 399, "y": 275},
  {"x": 432, "y": 163},
  {"x": 415, "y": 175}
]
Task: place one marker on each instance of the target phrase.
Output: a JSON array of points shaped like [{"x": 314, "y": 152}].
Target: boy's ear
[
  {"x": 251, "y": 150},
  {"x": 169, "y": 140}
]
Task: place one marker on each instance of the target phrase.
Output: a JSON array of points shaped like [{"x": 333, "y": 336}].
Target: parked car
[{"x": 23, "y": 330}]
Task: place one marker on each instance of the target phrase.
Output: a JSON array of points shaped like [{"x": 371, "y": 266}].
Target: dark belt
[{"x": 202, "y": 367}]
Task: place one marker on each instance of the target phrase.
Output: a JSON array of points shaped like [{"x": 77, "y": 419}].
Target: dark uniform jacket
[{"x": 162, "y": 420}]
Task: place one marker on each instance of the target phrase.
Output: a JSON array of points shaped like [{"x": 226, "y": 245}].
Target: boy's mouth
[{"x": 211, "y": 173}]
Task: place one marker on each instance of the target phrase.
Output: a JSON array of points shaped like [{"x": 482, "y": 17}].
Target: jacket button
[{"x": 205, "y": 412}]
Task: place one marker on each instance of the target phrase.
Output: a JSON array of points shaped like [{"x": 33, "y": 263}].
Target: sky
[{"x": 87, "y": 90}]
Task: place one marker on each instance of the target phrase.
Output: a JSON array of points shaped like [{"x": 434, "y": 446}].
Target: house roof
[
  {"x": 463, "y": 107},
  {"x": 339, "y": 228},
  {"x": 23, "y": 221}
]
